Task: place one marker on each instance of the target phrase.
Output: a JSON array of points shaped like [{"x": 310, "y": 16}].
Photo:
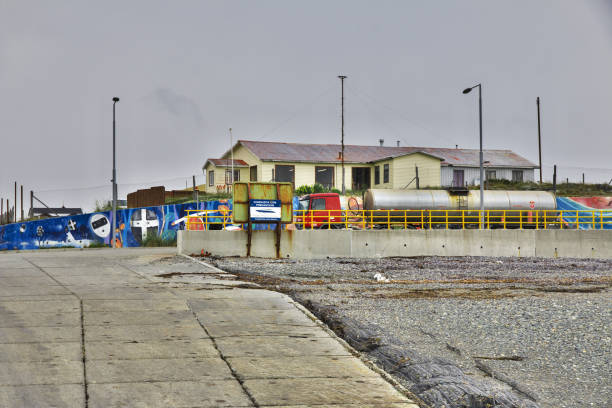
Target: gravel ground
[{"x": 539, "y": 327}]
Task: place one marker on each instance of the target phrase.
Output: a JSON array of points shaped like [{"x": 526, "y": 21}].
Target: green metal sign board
[{"x": 245, "y": 192}]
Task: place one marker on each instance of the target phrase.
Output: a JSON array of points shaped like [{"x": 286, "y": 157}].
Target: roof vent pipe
[
  {"x": 398, "y": 143},
  {"x": 381, "y": 141}
]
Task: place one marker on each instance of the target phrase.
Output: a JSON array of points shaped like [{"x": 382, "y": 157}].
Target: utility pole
[
  {"x": 15, "y": 212},
  {"x": 539, "y": 138},
  {"x": 342, "y": 78},
  {"x": 416, "y": 170},
  {"x": 22, "y": 203},
  {"x": 232, "y": 157},
  {"x": 466, "y": 91},
  {"x": 195, "y": 193},
  {"x": 114, "y": 225},
  {"x": 555, "y": 179},
  {"x": 32, "y": 202},
  {"x": 1, "y": 210}
]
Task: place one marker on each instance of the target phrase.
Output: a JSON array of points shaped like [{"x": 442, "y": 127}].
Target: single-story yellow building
[
  {"x": 365, "y": 166},
  {"x": 307, "y": 164}
]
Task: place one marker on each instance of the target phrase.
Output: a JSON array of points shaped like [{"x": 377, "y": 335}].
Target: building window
[
  {"x": 517, "y": 175},
  {"x": 284, "y": 173},
  {"x": 377, "y": 175},
  {"x": 228, "y": 176},
  {"x": 491, "y": 175},
  {"x": 324, "y": 175},
  {"x": 211, "y": 178},
  {"x": 253, "y": 173},
  {"x": 386, "y": 173}
]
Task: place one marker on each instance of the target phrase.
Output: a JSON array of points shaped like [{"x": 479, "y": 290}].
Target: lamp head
[
  {"x": 467, "y": 90},
  {"x": 115, "y": 99}
]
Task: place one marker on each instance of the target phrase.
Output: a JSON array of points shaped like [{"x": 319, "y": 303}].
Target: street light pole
[
  {"x": 114, "y": 180},
  {"x": 342, "y": 78},
  {"x": 466, "y": 91}
]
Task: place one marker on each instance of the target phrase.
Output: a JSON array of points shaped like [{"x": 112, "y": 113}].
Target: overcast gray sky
[{"x": 186, "y": 71}]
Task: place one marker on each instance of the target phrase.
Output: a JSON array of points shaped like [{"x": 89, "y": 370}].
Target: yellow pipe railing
[{"x": 422, "y": 219}]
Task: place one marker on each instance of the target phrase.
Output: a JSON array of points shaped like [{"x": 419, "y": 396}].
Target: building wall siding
[
  {"x": 382, "y": 183},
  {"x": 242, "y": 153},
  {"x": 219, "y": 176},
  {"x": 404, "y": 171}
]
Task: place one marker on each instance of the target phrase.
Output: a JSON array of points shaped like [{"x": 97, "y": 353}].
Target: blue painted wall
[{"x": 133, "y": 225}]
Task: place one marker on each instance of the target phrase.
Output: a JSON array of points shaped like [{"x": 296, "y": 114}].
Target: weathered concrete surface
[
  {"x": 307, "y": 244},
  {"x": 144, "y": 328}
]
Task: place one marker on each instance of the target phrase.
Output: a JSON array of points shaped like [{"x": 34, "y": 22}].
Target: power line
[
  {"x": 403, "y": 116},
  {"x": 295, "y": 114},
  {"x": 121, "y": 185}
]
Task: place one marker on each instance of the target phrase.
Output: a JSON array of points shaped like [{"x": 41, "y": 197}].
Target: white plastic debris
[
  {"x": 499, "y": 262},
  {"x": 381, "y": 278}
]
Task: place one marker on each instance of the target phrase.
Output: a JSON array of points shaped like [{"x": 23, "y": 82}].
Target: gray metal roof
[{"x": 330, "y": 153}]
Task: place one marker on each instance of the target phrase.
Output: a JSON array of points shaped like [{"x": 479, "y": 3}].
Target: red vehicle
[{"x": 320, "y": 211}]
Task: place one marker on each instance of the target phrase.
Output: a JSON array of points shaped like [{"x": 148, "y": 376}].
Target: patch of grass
[
  {"x": 104, "y": 205},
  {"x": 563, "y": 189},
  {"x": 58, "y": 247},
  {"x": 157, "y": 241},
  {"x": 97, "y": 244}
]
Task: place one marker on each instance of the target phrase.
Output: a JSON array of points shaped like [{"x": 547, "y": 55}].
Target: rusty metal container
[{"x": 243, "y": 192}]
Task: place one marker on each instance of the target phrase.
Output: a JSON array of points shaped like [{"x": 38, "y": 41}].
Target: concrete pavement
[{"x": 145, "y": 328}]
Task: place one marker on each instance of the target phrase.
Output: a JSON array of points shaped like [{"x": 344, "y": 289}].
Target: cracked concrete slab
[
  {"x": 293, "y": 317},
  {"x": 133, "y": 305},
  {"x": 171, "y": 343},
  {"x": 383, "y": 405},
  {"x": 35, "y": 306},
  {"x": 40, "y": 319},
  {"x": 232, "y": 330},
  {"x": 296, "y": 391},
  {"x": 273, "y": 303},
  {"x": 40, "y": 334},
  {"x": 147, "y": 370},
  {"x": 299, "y": 367},
  {"x": 143, "y": 333},
  {"x": 57, "y": 396},
  {"x": 225, "y": 393},
  {"x": 140, "y": 317},
  {"x": 38, "y": 373},
  {"x": 126, "y": 350},
  {"x": 275, "y": 346},
  {"x": 20, "y": 352}
]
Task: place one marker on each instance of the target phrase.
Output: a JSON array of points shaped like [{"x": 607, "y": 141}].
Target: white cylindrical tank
[{"x": 387, "y": 199}]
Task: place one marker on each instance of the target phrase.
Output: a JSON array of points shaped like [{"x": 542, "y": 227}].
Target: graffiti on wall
[
  {"x": 134, "y": 225},
  {"x": 587, "y": 219}
]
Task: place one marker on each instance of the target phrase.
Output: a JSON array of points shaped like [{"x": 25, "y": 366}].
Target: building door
[
  {"x": 458, "y": 180},
  {"x": 360, "y": 178}
]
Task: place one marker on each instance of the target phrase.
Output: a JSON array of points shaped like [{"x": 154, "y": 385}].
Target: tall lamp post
[
  {"x": 114, "y": 180},
  {"x": 342, "y": 78},
  {"x": 467, "y": 91}
]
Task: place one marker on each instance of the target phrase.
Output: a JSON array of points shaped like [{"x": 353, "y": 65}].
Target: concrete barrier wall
[{"x": 383, "y": 243}]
